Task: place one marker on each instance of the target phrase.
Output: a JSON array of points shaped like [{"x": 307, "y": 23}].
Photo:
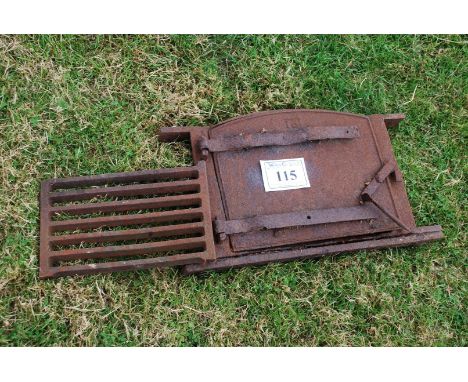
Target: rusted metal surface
[
  {"x": 160, "y": 213},
  {"x": 367, "y": 195},
  {"x": 352, "y": 198},
  {"x": 261, "y": 227},
  {"x": 264, "y": 139},
  {"x": 421, "y": 235},
  {"x": 338, "y": 170},
  {"x": 296, "y": 219}
]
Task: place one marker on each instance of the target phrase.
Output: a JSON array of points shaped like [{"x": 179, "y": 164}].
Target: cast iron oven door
[
  {"x": 271, "y": 186},
  {"x": 342, "y": 156}
]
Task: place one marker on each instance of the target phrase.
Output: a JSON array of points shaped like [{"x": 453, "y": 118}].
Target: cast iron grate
[
  {"x": 125, "y": 221},
  {"x": 337, "y": 188}
]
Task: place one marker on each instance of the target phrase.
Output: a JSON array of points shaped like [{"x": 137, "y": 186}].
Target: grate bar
[
  {"x": 129, "y": 234},
  {"x": 128, "y": 250},
  {"x": 124, "y": 177},
  {"x": 119, "y": 220},
  {"x": 131, "y": 190},
  {"x": 127, "y": 265},
  {"x": 128, "y": 205}
]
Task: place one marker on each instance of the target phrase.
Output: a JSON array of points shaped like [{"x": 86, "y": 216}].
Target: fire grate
[
  {"x": 267, "y": 187},
  {"x": 125, "y": 221}
]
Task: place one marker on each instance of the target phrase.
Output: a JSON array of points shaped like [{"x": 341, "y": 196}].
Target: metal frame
[
  {"x": 264, "y": 139},
  {"x": 295, "y": 219},
  {"x": 419, "y": 236},
  {"x": 194, "y": 220},
  {"x": 199, "y": 200}
]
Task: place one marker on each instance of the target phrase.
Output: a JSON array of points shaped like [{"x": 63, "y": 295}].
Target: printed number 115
[{"x": 285, "y": 175}]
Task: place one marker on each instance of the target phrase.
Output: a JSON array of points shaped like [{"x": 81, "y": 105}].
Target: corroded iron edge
[{"x": 419, "y": 236}]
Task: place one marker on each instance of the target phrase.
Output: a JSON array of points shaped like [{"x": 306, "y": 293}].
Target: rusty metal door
[
  {"x": 270, "y": 186},
  {"x": 341, "y": 154}
]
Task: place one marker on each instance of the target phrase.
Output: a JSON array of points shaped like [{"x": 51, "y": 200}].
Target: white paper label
[{"x": 284, "y": 174}]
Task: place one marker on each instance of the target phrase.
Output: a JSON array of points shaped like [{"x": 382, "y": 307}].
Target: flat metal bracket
[
  {"x": 294, "y": 219},
  {"x": 421, "y": 235},
  {"x": 367, "y": 195},
  {"x": 263, "y": 139}
]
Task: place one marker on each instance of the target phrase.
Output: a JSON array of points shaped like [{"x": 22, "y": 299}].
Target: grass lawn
[{"x": 77, "y": 105}]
